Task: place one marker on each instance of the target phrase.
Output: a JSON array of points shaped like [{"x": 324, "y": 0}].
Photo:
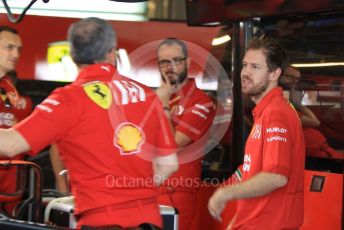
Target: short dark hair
[
  {"x": 275, "y": 55},
  {"x": 91, "y": 39},
  {"x": 172, "y": 41},
  {"x": 8, "y": 29}
]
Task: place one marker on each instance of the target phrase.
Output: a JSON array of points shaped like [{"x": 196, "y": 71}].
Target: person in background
[
  {"x": 289, "y": 81},
  {"x": 190, "y": 112},
  {"x": 316, "y": 142},
  {"x": 270, "y": 193},
  {"x": 116, "y": 158},
  {"x": 13, "y": 106},
  {"x": 61, "y": 176}
]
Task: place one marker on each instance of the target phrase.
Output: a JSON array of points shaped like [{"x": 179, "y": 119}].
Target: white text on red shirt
[{"x": 247, "y": 162}]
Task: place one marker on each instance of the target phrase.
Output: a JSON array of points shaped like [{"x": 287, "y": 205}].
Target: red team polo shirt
[
  {"x": 9, "y": 116},
  {"x": 192, "y": 113},
  {"x": 107, "y": 128},
  {"x": 275, "y": 145}
]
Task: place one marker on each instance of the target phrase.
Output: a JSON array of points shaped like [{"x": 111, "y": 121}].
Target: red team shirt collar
[
  {"x": 257, "y": 111},
  {"x": 93, "y": 72},
  {"x": 185, "y": 90}
]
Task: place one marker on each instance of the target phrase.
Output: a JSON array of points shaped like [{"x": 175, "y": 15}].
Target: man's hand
[
  {"x": 20, "y": 104},
  {"x": 217, "y": 203},
  {"x": 261, "y": 184},
  {"x": 165, "y": 91}
]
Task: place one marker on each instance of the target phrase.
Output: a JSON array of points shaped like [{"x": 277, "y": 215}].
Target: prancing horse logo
[{"x": 99, "y": 93}]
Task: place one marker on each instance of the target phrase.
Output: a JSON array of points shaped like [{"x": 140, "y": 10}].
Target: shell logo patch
[
  {"x": 129, "y": 138},
  {"x": 99, "y": 93}
]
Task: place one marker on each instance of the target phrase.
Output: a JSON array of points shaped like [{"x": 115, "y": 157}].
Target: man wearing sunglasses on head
[
  {"x": 13, "y": 107},
  {"x": 190, "y": 112}
]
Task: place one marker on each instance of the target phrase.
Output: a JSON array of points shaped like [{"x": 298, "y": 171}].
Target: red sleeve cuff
[{"x": 277, "y": 170}]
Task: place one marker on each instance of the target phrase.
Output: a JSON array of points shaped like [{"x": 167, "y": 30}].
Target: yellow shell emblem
[
  {"x": 99, "y": 93},
  {"x": 129, "y": 138}
]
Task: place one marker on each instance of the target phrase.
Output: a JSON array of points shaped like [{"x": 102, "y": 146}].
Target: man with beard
[
  {"x": 104, "y": 134},
  {"x": 190, "y": 112},
  {"x": 270, "y": 194}
]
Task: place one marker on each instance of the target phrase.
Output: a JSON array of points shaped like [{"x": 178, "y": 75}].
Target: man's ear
[
  {"x": 275, "y": 75},
  {"x": 111, "y": 56},
  {"x": 113, "y": 51}
]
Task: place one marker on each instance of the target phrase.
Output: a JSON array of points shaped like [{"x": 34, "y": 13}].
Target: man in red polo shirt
[
  {"x": 111, "y": 132},
  {"x": 270, "y": 195},
  {"x": 190, "y": 112},
  {"x": 13, "y": 106}
]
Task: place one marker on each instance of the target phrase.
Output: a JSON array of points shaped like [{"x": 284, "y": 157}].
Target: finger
[
  {"x": 167, "y": 82},
  {"x": 213, "y": 213},
  {"x": 211, "y": 210},
  {"x": 164, "y": 78},
  {"x": 18, "y": 105},
  {"x": 216, "y": 216},
  {"x": 22, "y": 104}
]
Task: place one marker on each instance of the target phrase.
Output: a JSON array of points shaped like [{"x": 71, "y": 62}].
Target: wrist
[{"x": 228, "y": 193}]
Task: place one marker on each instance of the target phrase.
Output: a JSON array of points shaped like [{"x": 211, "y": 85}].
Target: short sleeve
[
  {"x": 47, "y": 123},
  {"x": 197, "y": 118}
]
